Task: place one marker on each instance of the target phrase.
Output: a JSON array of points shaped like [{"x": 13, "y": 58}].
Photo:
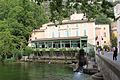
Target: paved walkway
[{"x": 110, "y": 56}]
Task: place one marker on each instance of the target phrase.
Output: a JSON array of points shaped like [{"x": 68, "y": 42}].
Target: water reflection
[
  {"x": 37, "y": 71},
  {"x": 81, "y": 76}
]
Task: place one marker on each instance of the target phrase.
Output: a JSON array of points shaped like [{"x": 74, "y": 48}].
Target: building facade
[
  {"x": 117, "y": 16},
  {"x": 74, "y": 33},
  {"x": 114, "y": 29},
  {"x": 102, "y": 33}
]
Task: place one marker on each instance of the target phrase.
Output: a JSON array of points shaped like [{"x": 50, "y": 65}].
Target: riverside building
[{"x": 77, "y": 32}]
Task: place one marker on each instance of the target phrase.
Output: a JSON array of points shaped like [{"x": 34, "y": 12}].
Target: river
[{"x": 39, "y": 71}]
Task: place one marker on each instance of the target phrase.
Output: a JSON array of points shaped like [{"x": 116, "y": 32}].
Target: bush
[
  {"x": 106, "y": 47},
  {"x": 99, "y": 48},
  {"x": 81, "y": 52},
  {"x": 91, "y": 52},
  {"x": 18, "y": 54},
  {"x": 28, "y": 51}
]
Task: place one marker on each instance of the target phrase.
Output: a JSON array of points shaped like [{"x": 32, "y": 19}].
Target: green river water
[{"x": 39, "y": 71}]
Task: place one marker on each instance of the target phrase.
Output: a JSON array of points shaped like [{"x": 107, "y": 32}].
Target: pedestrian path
[{"x": 109, "y": 55}]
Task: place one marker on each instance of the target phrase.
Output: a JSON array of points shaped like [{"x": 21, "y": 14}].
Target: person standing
[
  {"x": 115, "y": 54},
  {"x": 98, "y": 50}
]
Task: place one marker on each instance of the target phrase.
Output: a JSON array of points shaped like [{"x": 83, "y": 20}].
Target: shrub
[
  {"x": 106, "y": 47},
  {"x": 99, "y": 48},
  {"x": 91, "y": 52}
]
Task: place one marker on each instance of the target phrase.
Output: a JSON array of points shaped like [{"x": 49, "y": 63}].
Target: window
[
  {"x": 104, "y": 41},
  {"x": 67, "y": 30},
  {"x": 104, "y": 28},
  {"x": 77, "y": 33},
  {"x": 84, "y": 43},
  {"x": 59, "y": 34},
  {"x": 35, "y": 37},
  {"x": 97, "y": 43},
  {"x": 84, "y": 32},
  {"x": 66, "y": 44},
  {"x": 75, "y": 43},
  {"x": 52, "y": 34},
  {"x": 56, "y": 44},
  {"x": 41, "y": 45},
  {"x": 49, "y": 44},
  {"x": 101, "y": 38},
  {"x": 104, "y": 34},
  {"x": 96, "y": 37},
  {"x": 65, "y": 33}
]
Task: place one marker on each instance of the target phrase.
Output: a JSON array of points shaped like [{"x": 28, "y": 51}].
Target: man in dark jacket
[{"x": 115, "y": 54}]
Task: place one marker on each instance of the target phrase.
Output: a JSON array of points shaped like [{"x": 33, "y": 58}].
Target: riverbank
[{"x": 67, "y": 60}]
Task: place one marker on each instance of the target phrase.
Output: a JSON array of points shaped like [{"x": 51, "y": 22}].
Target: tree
[
  {"x": 17, "y": 20},
  {"x": 91, "y": 9},
  {"x": 113, "y": 40},
  {"x": 56, "y": 9},
  {"x": 38, "y": 1},
  {"x": 17, "y": 55},
  {"x": 102, "y": 19},
  {"x": 6, "y": 43},
  {"x": 28, "y": 51}
]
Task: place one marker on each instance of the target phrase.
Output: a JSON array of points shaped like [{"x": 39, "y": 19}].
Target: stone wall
[{"x": 109, "y": 69}]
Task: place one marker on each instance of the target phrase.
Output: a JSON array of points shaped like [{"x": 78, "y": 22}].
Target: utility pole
[{"x": 117, "y": 16}]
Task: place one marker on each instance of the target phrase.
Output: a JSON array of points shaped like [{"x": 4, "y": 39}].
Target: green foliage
[
  {"x": 43, "y": 51},
  {"x": 81, "y": 51},
  {"x": 56, "y": 9},
  {"x": 51, "y": 51},
  {"x": 113, "y": 40},
  {"x": 106, "y": 47},
  {"x": 60, "y": 9},
  {"x": 28, "y": 51},
  {"x": 17, "y": 54},
  {"x": 62, "y": 50},
  {"x": 6, "y": 42},
  {"x": 17, "y": 19},
  {"x": 91, "y": 52},
  {"x": 70, "y": 50},
  {"x": 102, "y": 19},
  {"x": 99, "y": 48}
]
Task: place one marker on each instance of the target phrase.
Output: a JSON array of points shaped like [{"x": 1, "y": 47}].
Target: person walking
[
  {"x": 115, "y": 53},
  {"x": 98, "y": 50}
]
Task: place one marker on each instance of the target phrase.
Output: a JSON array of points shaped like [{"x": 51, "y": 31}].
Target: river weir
[{"x": 39, "y": 71}]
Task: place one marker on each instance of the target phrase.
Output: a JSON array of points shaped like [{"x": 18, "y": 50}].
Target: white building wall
[
  {"x": 103, "y": 33},
  {"x": 117, "y": 15},
  {"x": 91, "y": 33},
  {"x": 73, "y": 29}
]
